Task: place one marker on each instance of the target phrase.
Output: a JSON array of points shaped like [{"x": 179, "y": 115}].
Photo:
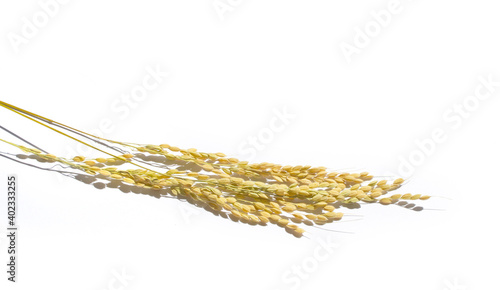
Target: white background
[{"x": 228, "y": 77}]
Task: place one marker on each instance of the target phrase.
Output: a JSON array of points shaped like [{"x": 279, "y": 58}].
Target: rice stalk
[{"x": 259, "y": 193}]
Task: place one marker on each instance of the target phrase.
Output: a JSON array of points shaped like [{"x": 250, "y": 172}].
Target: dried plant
[{"x": 260, "y": 193}]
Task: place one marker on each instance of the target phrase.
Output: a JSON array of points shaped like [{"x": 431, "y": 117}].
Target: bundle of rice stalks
[{"x": 259, "y": 193}]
